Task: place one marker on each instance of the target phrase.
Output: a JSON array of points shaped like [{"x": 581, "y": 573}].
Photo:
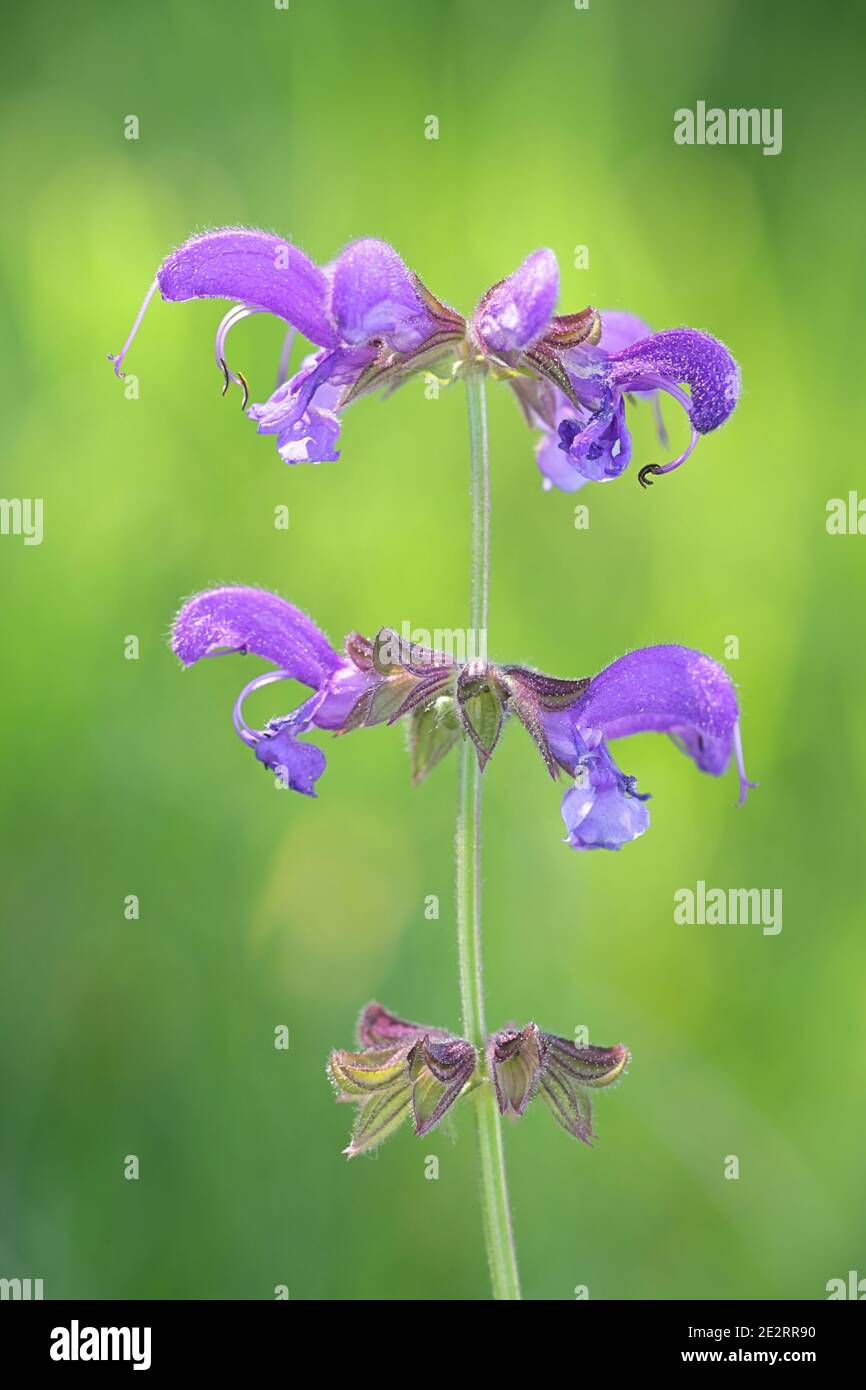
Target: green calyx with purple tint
[
  {"x": 402, "y": 1069},
  {"x": 525, "y": 1062},
  {"x": 408, "y": 1071}
]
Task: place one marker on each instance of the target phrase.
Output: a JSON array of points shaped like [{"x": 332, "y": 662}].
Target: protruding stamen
[
  {"x": 745, "y": 784},
  {"x": 661, "y": 428},
  {"x": 658, "y": 469},
  {"x": 234, "y": 315},
  {"x": 644, "y": 477},
  {"x": 242, "y": 728},
  {"x": 117, "y": 357},
  {"x": 285, "y": 355}
]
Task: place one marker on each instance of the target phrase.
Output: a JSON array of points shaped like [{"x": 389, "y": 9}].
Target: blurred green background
[{"x": 155, "y": 1037}]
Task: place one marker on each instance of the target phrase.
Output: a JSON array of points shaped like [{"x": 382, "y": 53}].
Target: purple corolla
[
  {"x": 665, "y": 689},
  {"x": 374, "y": 324}
]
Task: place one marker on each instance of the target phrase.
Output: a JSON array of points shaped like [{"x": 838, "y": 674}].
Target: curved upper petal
[
  {"x": 515, "y": 313},
  {"x": 375, "y": 295},
  {"x": 668, "y": 689},
  {"x": 253, "y": 620},
  {"x": 619, "y": 330},
  {"x": 683, "y": 356},
  {"x": 255, "y": 268}
]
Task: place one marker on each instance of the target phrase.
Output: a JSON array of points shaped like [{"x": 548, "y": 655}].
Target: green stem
[{"x": 494, "y": 1190}]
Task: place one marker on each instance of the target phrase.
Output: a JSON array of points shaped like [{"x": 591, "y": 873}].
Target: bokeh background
[{"x": 155, "y": 1037}]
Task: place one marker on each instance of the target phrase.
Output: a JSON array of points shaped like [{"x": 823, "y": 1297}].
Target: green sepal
[
  {"x": 569, "y": 1104},
  {"x": 378, "y": 1117},
  {"x": 380, "y": 702},
  {"x": 433, "y": 730},
  {"x": 357, "y": 1073},
  {"x": 482, "y": 715}
]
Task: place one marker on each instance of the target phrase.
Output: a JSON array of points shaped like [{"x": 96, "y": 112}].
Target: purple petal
[
  {"x": 299, "y": 765},
  {"x": 312, "y": 439},
  {"x": 257, "y": 269},
  {"x": 515, "y": 313},
  {"x": 599, "y": 448},
  {"x": 603, "y": 810},
  {"x": 374, "y": 295},
  {"x": 668, "y": 689},
  {"x": 607, "y": 819},
  {"x": 307, "y": 432},
  {"x": 340, "y": 694},
  {"x": 288, "y": 404},
  {"x": 682, "y": 356},
  {"x": 242, "y": 620},
  {"x": 619, "y": 330},
  {"x": 555, "y": 466}
]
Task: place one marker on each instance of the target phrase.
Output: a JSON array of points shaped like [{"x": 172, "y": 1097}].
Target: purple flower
[
  {"x": 402, "y": 1069},
  {"x": 252, "y": 620},
  {"x": 574, "y": 373},
  {"x": 370, "y": 682},
  {"x": 585, "y": 437},
  {"x": 666, "y": 689},
  {"x": 523, "y": 1063},
  {"x": 372, "y": 320},
  {"x": 374, "y": 324}
]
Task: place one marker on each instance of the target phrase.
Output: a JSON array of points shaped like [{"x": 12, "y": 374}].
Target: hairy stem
[{"x": 494, "y": 1190}]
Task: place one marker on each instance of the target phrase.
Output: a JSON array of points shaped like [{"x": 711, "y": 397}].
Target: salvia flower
[
  {"x": 252, "y": 620},
  {"x": 525, "y": 1062},
  {"x": 402, "y": 1069},
  {"x": 666, "y": 689},
  {"x": 374, "y": 324}
]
